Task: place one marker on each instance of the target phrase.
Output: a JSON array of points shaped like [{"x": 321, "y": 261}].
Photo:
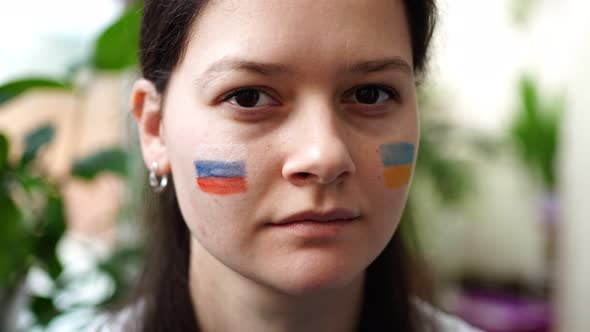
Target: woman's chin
[{"x": 314, "y": 275}]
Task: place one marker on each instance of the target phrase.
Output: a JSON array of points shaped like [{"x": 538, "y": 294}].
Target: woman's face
[{"x": 280, "y": 107}]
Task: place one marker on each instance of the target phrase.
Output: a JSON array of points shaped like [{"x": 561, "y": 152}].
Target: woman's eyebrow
[
  {"x": 267, "y": 69},
  {"x": 391, "y": 63},
  {"x": 237, "y": 64}
]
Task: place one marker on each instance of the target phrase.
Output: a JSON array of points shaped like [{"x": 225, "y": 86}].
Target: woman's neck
[{"x": 227, "y": 301}]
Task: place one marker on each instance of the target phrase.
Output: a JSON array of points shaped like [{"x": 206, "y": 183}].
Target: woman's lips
[
  {"x": 335, "y": 214},
  {"x": 314, "y": 229}
]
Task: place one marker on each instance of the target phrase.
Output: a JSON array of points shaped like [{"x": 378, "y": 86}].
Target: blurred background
[{"x": 498, "y": 216}]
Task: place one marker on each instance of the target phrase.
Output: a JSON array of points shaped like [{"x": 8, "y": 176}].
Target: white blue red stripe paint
[{"x": 221, "y": 177}]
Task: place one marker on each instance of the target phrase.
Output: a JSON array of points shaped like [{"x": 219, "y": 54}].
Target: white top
[{"x": 444, "y": 321}]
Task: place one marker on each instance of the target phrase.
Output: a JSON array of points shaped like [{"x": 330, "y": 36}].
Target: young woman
[{"x": 281, "y": 137}]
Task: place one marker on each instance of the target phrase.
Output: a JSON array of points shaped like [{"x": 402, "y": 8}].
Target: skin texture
[{"x": 310, "y": 146}]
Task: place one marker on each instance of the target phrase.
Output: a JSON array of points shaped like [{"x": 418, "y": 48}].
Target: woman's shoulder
[
  {"x": 119, "y": 321},
  {"x": 443, "y": 321}
]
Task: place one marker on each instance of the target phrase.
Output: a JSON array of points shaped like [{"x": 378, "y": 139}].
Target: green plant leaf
[
  {"x": 4, "y": 148},
  {"x": 44, "y": 309},
  {"x": 451, "y": 178},
  {"x": 13, "y": 89},
  {"x": 112, "y": 160},
  {"x": 51, "y": 227},
  {"x": 117, "y": 47},
  {"x": 31, "y": 182},
  {"x": 35, "y": 141},
  {"x": 535, "y": 132},
  {"x": 15, "y": 245}
]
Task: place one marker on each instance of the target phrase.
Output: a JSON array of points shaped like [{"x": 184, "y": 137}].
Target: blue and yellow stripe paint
[{"x": 398, "y": 159}]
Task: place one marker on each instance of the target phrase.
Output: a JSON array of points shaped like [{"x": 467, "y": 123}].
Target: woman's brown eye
[
  {"x": 250, "y": 98},
  {"x": 371, "y": 95},
  {"x": 246, "y": 98}
]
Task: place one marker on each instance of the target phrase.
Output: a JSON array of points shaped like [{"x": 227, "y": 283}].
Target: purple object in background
[
  {"x": 494, "y": 311},
  {"x": 551, "y": 208}
]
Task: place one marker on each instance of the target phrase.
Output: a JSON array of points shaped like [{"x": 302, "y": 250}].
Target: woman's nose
[{"x": 318, "y": 151}]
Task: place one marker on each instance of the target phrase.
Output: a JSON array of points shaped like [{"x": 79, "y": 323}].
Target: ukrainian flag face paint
[{"x": 397, "y": 159}]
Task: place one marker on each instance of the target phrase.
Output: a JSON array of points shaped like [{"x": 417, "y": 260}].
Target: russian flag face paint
[
  {"x": 397, "y": 159},
  {"x": 221, "y": 168}
]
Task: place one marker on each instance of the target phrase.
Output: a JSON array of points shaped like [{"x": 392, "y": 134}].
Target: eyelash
[{"x": 392, "y": 94}]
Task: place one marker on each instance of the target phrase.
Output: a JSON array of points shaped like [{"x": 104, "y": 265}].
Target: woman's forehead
[{"x": 305, "y": 32}]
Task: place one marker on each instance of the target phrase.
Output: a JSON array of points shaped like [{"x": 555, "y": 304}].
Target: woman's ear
[{"x": 147, "y": 111}]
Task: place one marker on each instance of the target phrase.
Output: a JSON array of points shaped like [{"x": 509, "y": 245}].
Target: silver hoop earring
[{"x": 157, "y": 185}]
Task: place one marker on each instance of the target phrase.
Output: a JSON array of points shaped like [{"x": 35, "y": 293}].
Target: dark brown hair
[{"x": 165, "y": 31}]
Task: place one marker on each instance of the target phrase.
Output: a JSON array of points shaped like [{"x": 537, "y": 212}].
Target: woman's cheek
[
  {"x": 211, "y": 182},
  {"x": 392, "y": 169}
]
